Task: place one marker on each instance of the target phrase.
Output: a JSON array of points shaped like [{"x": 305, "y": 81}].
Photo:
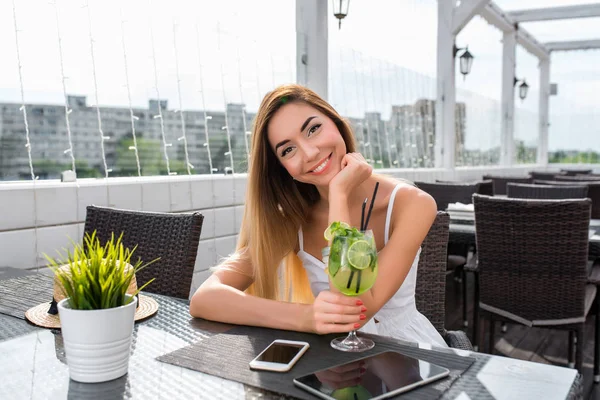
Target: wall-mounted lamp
[
  {"x": 341, "y": 10},
  {"x": 466, "y": 60},
  {"x": 523, "y": 88}
]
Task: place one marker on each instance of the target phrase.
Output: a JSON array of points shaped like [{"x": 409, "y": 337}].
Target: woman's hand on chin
[
  {"x": 354, "y": 171},
  {"x": 335, "y": 313}
]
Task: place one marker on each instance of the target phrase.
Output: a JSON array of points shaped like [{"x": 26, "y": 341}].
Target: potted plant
[{"x": 97, "y": 313}]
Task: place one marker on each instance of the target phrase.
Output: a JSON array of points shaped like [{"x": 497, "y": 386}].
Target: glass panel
[{"x": 149, "y": 61}]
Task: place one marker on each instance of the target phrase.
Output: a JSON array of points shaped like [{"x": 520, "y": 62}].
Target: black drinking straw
[
  {"x": 350, "y": 279},
  {"x": 362, "y": 223},
  {"x": 362, "y": 214},
  {"x": 364, "y": 228},
  {"x": 371, "y": 205}
]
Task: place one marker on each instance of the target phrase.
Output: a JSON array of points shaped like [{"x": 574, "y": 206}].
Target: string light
[
  {"x": 23, "y": 109},
  {"x": 207, "y": 145},
  {"x": 68, "y": 111},
  {"x": 226, "y": 127},
  {"x": 385, "y": 125},
  {"x": 158, "y": 100},
  {"x": 131, "y": 115},
  {"x": 181, "y": 116},
  {"x": 378, "y": 130},
  {"x": 239, "y": 65},
  {"x": 102, "y": 137},
  {"x": 368, "y": 126}
]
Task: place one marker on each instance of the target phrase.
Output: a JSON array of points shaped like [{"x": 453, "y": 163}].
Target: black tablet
[{"x": 374, "y": 377}]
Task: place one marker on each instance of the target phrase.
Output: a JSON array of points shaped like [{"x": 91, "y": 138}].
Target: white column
[
  {"x": 311, "y": 45},
  {"x": 542, "y": 155},
  {"x": 445, "y": 140},
  {"x": 509, "y": 41}
]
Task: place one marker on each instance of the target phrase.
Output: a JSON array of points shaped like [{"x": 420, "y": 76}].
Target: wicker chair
[
  {"x": 574, "y": 172},
  {"x": 501, "y": 181},
  {"x": 445, "y": 193},
  {"x": 593, "y": 191},
  {"x": 544, "y": 175},
  {"x": 430, "y": 292},
  {"x": 172, "y": 237},
  {"x": 484, "y": 187},
  {"x": 577, "y": 178},
  {"x": 529, "y": 276},
  {"x": 524, "y": 191}
]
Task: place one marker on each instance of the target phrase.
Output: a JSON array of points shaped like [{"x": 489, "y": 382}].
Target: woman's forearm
[
  {"x": 338, "y": 208},
  {"x": 226, "y": 304}
]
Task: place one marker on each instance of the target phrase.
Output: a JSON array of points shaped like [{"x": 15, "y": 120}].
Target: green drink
[{"x": 352, "y": 264}]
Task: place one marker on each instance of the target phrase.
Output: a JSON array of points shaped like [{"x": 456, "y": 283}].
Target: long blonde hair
[{"x": 276, "y": 205}]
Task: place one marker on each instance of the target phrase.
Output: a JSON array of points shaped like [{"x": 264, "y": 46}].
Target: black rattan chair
[
  {"x": 593, "y": 190},
  {"x": 430, "y": 292},
  {"x": 574, "y": 172},
  {"x": 544, "y": 175},
  {"x": 532, "y": 266},
  {"x": 483, "y": 187},
  {"x": 445, "y": 193},
  {"x": 525, "y": 191},
  {"x": 172, "y": 237},
  {"x": 501, "y": 181}
]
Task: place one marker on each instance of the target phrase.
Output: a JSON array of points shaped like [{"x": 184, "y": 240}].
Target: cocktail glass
[{"x": 352, "y": 268}]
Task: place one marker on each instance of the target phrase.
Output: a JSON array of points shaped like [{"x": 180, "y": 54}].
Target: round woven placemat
[{"x": 39, "y": 316}]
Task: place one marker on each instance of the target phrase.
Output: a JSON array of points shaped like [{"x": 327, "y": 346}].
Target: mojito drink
[{"x": 352, "y": 264}]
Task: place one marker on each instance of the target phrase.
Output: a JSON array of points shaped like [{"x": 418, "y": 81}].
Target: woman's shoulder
[{"x": 409, "y": 196}]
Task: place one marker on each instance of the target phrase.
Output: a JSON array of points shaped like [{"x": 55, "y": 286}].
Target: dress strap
[
  {"x": 301, "y": 239},
  {"x": 388, "y": 217}
]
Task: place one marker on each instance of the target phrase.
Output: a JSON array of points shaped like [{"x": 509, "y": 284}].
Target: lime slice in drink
[
  {"x": 334, "y": 229},
  {"x": 359, "y": 254}
]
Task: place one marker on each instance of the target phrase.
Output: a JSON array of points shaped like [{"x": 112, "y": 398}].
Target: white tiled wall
[{"x": 60, "y": 209}]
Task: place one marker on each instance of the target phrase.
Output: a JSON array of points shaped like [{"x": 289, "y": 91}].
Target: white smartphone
[{"x": 280, "y": 355}]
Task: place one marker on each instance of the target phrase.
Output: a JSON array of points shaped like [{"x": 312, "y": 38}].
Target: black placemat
[
  {"x": 19, "y": 294},
  {"x": 227, "y": 355}
]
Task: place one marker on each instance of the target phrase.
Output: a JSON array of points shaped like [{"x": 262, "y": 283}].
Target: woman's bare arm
[{"x": 221, "y": 298}]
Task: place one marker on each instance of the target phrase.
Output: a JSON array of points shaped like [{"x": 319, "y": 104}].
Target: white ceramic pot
[{"x": 97, "y": 342}]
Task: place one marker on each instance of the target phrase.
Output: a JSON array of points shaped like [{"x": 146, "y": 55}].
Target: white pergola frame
[
  {"x": 451, "y": 20},
  {"x": 312, "y": 63}
]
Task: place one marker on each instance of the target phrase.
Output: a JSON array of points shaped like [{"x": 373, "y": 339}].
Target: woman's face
[{"x": 307, "y": 143}]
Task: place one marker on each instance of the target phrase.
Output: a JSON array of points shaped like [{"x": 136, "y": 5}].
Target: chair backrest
[
  {"x": 577, "y": 178},
  {"x": 532, "y": 256},
  {"x": 445, "y": 193},
  {"x": 430, "y": 291},
  {"x": 525, "y": 191},
  {"x": 593, "y": 191},
  {"x": 574, "y": 172},
  {"x": 484, "y": 187},
  {"x": 500, "y": 182},
  {"x": 544, "y": 175},
  {"x": 172, "y": 237}
]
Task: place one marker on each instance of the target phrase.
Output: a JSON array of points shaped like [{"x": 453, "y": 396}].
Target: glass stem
[{"x": 352, "y": 335}]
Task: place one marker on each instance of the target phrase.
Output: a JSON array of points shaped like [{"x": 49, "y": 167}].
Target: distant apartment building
[
  {"x": 407, "y": 139},
  {"x": 49, "y": 138}
]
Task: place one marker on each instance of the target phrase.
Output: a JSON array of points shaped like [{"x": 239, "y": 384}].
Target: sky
[{"x": 205, "y": 53}]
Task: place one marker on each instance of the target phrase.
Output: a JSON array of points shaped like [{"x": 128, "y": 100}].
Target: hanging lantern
[
  {"x": 523, "y": 89},
  {"x": 466, "y": 61},
  {"x": 340, "y": 9}
]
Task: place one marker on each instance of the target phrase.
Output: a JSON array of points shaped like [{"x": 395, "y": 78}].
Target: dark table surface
[{"x": 33, "y": 365}]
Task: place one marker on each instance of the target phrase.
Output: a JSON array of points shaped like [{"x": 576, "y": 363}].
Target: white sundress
[{"x": 399, "y": 317}]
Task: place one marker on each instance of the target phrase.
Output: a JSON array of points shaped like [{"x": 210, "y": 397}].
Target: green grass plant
[{"x": 96, "y": 276}]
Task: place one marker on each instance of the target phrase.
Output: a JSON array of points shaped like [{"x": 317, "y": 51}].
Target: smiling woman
[{"x": 305, "y": 175}]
